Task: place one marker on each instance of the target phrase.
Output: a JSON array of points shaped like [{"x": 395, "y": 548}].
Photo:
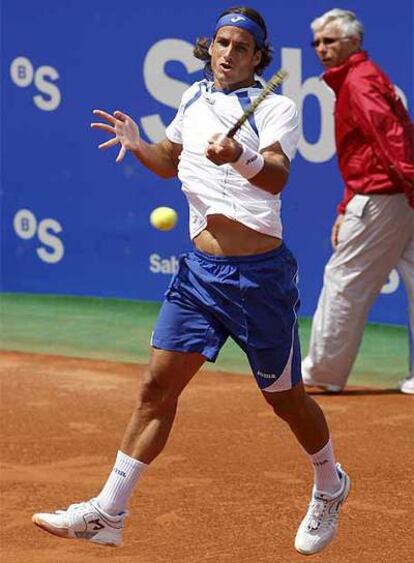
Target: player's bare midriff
[{"x": 225, "y": 237}]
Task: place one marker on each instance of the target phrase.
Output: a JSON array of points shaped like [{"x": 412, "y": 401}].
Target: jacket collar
[{"x": 335, "y": 77}]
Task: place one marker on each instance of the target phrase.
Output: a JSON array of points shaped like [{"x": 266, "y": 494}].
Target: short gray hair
[{"x": 346, "y": 21}]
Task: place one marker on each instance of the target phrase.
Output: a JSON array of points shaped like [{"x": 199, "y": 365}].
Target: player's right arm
[{"x": 161, "y": 158}]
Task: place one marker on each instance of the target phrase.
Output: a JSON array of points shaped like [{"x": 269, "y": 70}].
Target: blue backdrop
[{"x": 73, "y": 221}]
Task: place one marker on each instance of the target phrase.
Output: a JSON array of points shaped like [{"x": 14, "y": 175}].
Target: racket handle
[{"x": 233, "y": 130}]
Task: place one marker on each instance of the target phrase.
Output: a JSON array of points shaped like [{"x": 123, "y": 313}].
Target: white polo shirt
[{"x": 212, "y": 189}]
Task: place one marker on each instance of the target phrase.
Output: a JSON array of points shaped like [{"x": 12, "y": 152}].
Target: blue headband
[{"x": 243, "y": 22}]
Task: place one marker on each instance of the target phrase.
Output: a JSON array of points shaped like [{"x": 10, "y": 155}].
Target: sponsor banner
[{"x": 75, "y": 222}]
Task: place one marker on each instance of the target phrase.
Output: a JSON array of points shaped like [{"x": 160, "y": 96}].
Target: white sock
[
  {"x": 120, "y": 485},
  {"x": 324, "y": 471}
]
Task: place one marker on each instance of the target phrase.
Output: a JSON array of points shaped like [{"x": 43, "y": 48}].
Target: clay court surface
[{"x": 231, "y": 486}]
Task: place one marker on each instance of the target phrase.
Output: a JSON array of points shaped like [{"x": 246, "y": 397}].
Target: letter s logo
[
  {"x": 57, "y": 250},
  {"x": 324, "y": 148},
  {"x": 162, "y": 87},
  {"x": 46, "y": 87},
  {"x": 392, "y": 284}
]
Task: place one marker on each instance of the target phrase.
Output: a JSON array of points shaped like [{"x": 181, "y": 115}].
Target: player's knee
[
  {"x": 287, "y": 405},
  {"x": 282, "y": 408},
  {"x": 154, "y": 395}
]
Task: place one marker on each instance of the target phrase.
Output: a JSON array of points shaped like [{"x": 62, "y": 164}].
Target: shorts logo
[{"x": 266, "y": 375}]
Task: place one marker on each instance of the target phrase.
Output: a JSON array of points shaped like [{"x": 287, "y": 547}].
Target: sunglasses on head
[{"x": 326, "y": 41}]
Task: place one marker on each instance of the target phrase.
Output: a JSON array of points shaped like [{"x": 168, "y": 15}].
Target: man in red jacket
[{"x": 374, "y": 230}]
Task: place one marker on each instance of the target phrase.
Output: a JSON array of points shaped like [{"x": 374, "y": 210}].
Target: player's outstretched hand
[
  {"x": 123, "y": 128},
  {"x": 222, "y": 150}
]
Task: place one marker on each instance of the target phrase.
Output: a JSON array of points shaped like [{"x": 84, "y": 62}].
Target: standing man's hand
[
  {"x": 335, "y": 230},
  {"x": 222, "y": 150},
  {"x": 123, "y": 128}
]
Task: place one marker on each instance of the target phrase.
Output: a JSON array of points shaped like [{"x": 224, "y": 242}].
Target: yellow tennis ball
[{"x": 163, "y": 218}]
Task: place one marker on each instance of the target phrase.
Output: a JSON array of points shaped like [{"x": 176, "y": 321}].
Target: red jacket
[{"x": 373, "y": 131}]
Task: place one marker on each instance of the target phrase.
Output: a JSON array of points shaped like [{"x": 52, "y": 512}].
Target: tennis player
[{"x": 239, "y": 281}]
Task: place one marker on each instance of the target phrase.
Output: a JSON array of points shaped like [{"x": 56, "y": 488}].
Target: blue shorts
[{"x": 254, "y": 299}]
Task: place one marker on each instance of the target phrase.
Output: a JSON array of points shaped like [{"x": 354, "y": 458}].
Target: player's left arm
[
  {"x": 275, "y": 172},
  {"x": 267, "y": 169}
]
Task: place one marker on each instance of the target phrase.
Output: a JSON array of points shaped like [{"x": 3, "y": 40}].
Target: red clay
[{"x": 231, "y": 486}]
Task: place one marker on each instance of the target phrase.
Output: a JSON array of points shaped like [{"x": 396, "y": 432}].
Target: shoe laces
[
  {"x": 87, "y": 505},
  {"x": 75, "y": 506},
  {"x": 319, "y": 517}
]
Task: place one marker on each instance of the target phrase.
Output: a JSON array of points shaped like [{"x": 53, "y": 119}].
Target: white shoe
[
  {"x": 318, "y": 528},
  {"x": 83, "y": 521},
  {"x": 308, "y": 380},
  {"x": 407, "y": 385}
]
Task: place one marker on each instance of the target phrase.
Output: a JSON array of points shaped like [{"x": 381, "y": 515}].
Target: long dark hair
[{"x": 202, "y": 44}]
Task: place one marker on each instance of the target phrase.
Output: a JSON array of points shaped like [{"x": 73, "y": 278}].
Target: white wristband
[{"x": 249, "y": 164}]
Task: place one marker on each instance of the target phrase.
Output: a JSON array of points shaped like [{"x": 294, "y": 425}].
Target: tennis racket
[{"x": 275, "y": 81}]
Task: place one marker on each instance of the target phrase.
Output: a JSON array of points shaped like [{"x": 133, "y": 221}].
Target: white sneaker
[
  {"x": 83, "y": 521},
  {"x": 329, "y": 387},
  {"x": 407, "y": 385},
  {"x": 318, "y": 528}
]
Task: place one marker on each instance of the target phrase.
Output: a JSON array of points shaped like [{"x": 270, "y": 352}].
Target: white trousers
[{"x": 377, "y": 235}]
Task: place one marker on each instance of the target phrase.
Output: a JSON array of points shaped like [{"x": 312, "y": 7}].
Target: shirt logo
[{"x": 236, "y": 19}]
